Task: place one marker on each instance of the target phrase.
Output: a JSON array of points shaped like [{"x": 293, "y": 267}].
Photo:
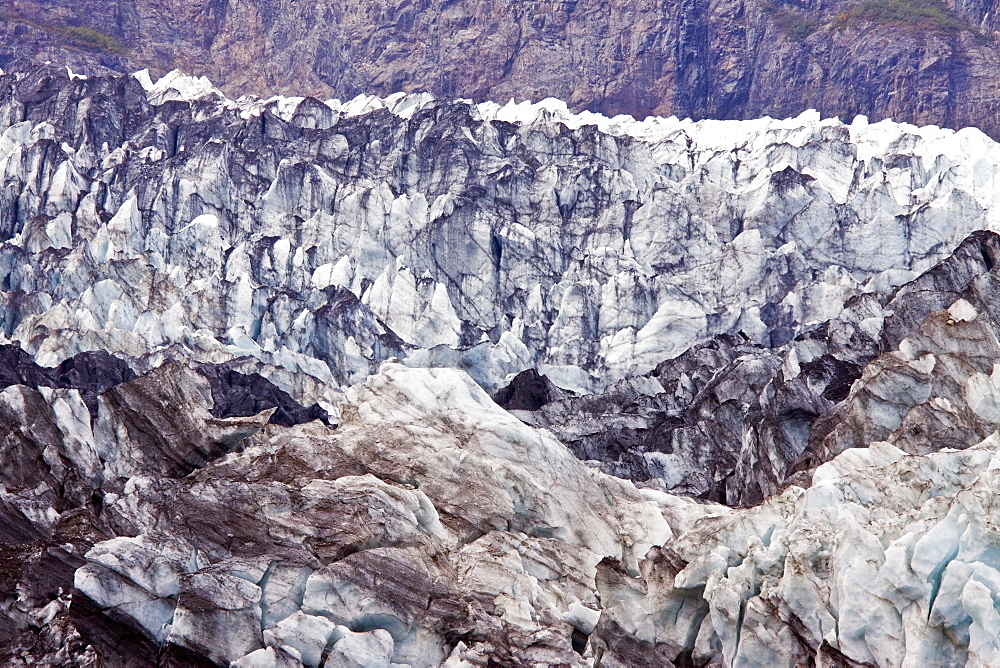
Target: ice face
[
  {"x": 313, "y": 241},
  {"x": 494, "y": 238}
]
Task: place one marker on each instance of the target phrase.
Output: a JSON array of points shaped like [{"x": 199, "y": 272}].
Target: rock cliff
[{"x": 920, "y": 61}]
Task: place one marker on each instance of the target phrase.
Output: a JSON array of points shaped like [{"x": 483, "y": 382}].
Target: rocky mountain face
[
  {"x": 920, "y": 61},
  {"x": 394, "y": 381}
]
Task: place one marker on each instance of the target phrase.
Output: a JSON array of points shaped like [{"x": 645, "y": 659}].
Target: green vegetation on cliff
[
  {"x": 796, "y": 24},
  {"x": 92, "y": 38},
  {"x": 82, "y": 36},
  {"x": 924, "y": 13}
]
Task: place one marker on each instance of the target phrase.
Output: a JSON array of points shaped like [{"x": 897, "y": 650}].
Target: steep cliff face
[{"x": 916, "y": 61}]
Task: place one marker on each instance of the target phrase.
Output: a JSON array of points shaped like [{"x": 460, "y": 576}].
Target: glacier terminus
[{"x": 413, "y": 382}]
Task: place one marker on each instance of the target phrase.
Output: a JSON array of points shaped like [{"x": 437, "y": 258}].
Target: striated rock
[
  {"x": 234, "y": 394},
  {"x": 90, "y": 372},
  {"x": 362, "y": 546},
  {"x": 434, "y": 528},
  {"x": 161, "y": 423}
]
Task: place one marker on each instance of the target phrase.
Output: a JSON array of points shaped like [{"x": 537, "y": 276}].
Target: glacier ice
[
  {"x": 244, "y": 415},
  {"x": 491, "y": 238}
]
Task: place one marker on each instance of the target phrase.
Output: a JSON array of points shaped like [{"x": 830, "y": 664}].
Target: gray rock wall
[{"x": 721, "y": 59}]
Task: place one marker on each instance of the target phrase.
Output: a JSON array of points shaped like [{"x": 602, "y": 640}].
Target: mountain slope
[{"x": 920, "y": 61}]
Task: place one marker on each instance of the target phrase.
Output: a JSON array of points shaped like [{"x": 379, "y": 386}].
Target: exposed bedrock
[{"x": 929, "y": 63}]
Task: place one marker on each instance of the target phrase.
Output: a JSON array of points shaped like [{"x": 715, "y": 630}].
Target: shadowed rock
[
  {"x": 235, "y": 394},
  {"x": 528, "y": 391}
]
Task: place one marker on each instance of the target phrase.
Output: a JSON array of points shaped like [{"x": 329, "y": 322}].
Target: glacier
[
  {"x": 402, "y": 381},
  {"x": 326, "y": 238}
]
